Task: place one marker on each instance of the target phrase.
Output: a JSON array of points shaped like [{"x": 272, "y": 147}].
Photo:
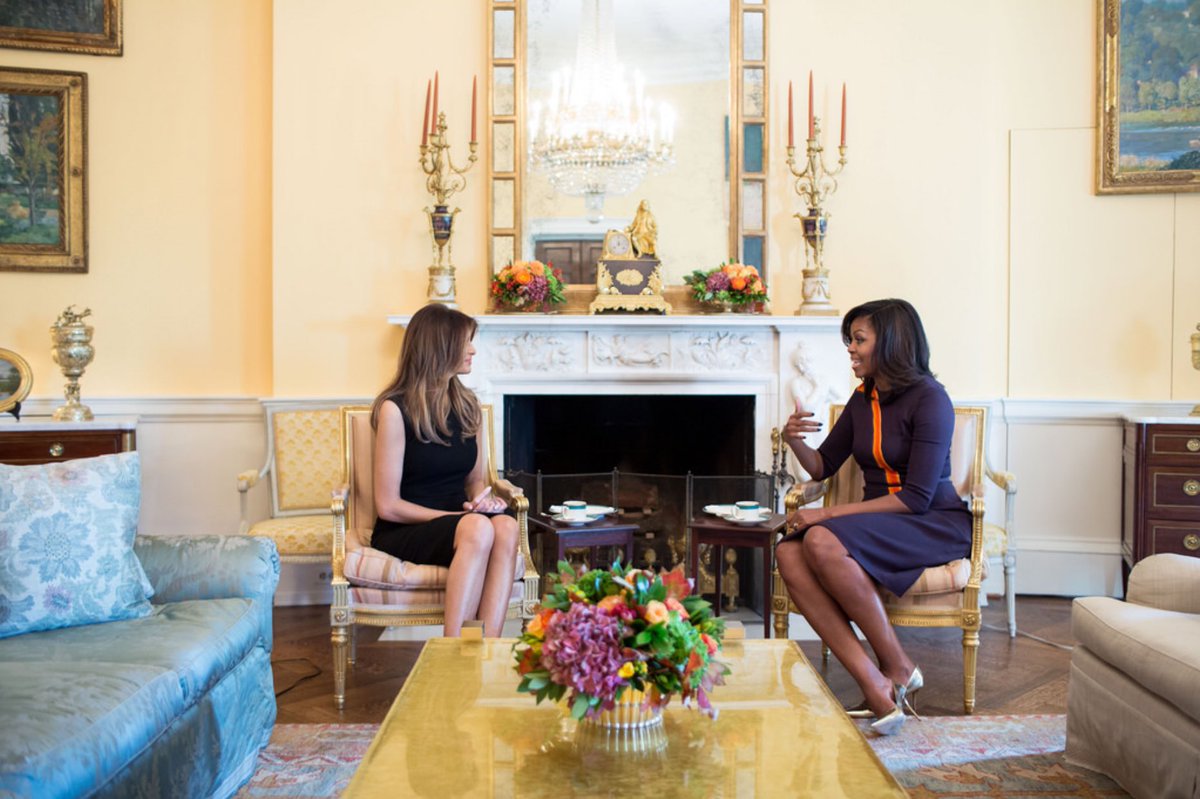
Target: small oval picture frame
[{"x": 16, "y": 379}]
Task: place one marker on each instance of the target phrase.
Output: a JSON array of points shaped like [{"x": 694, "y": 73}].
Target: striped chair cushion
[{"x": 938, "y": 586}]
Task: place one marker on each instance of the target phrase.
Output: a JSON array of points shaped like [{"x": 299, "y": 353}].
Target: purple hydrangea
[
  {"x": 583, "y": 651},
  {"x": 717, "y": 281},
  {"x": 537, "y": 288}
]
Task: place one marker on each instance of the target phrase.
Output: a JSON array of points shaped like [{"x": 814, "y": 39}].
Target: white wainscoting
[{"x": 1066, "y": 455}]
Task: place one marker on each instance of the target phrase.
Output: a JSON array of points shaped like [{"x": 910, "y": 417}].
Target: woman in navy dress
[
  {"x": 897, "y": 425},
  {"x": 429, "y": 483}
]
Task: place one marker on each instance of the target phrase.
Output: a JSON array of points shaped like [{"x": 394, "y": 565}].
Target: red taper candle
[
  {"x": 425, "y": 125},
  {"x": 811, "y": 124},
  {"x": 791, "y": 135},
  {"x": 433, "y": 123},
  {"x": 843, "y": 114},
  {"x": 475, "y": 87}
]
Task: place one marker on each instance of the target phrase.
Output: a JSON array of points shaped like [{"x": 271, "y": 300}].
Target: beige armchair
[
  {"x": 946, "y": 595},
  {"x": 1133, "y": 711},
  {"x": 303, "y": 464},
  {"x": 373, "y": 588}
]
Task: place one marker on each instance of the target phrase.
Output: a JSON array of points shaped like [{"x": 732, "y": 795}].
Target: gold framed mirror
[{"x": 705, "y": 60}]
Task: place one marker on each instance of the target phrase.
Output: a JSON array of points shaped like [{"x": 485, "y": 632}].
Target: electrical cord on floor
[
  {"x": 316, "y": 671},
  {"x": 1045, "y": 641}
]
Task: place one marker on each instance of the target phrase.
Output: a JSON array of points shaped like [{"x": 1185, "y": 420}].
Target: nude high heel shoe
[
  {"x": 916, "y": 681},
  {"x": 892, "y": 722}
]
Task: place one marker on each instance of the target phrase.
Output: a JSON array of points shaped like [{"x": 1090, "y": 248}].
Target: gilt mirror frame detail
[
  {"x": 748, "y": 109},
  {"x": 102, "y": 39},
  {"x": 59, "y": 163},
  {"x": 1111, "y": 176}
]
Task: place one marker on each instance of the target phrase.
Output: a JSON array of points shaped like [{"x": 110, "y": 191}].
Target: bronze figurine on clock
[{"x": 629, "y": 275}]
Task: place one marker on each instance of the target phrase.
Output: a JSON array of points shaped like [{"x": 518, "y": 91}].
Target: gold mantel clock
[{"x": 625, "y": 281}]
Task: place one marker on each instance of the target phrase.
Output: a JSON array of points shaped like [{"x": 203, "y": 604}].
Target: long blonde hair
[{"x": 426, "y": 383}]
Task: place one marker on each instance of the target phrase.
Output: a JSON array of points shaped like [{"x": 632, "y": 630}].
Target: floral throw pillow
[{"x": 66, "y": 544}]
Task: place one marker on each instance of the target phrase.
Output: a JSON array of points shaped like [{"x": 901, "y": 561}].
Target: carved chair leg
[
  {"x": 339, "y": 666},
  {"x": 779, "y": 605},
  {"x": 970, "y": 653},
  {"x": 1010, "y": 592},
  {"x": 353, "y": 658}
]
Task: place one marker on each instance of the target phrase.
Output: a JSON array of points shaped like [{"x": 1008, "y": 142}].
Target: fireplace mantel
[{"x": 776, "y": 359}]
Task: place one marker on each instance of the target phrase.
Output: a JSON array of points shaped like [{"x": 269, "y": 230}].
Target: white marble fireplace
[{"x": 774, "y": 359}]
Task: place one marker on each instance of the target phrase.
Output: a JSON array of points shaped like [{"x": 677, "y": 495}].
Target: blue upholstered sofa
[{"x": 177, "y": 703}]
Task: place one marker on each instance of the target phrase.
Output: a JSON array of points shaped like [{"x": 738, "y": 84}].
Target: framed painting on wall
[
  {"x": 1148, "y": 98},
  {"x": 43, "y": 171},
  {"x": 72, "y": 26}
]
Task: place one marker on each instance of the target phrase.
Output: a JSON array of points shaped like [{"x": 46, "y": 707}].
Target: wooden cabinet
[
  {"x": 1160, "y": 503},
  {"x": 28, "y": 442}
]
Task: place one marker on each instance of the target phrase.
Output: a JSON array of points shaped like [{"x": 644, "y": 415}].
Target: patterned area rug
[{"x": 942, "y": 757}]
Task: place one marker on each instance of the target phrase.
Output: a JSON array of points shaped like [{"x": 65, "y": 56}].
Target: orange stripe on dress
[{"x": 890, "y": 474}]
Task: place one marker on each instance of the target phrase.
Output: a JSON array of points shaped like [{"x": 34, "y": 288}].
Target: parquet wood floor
[{"x": 1018, "y": 675}]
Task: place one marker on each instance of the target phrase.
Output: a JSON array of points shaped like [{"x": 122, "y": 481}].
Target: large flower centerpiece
[
  {"x": 728, "y": 285},
  {"x": 605, "y": 635},
  {"x": 527, "y": 286}
]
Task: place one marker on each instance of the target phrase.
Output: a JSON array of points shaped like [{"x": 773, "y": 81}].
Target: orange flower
[
  {"x": 537, "y": 625},
  {"x": 709, "y": 642},
  {"x": 523, "y": 277},
  {"x": 656, "y": 612},
  {"x": 537, "y": 268},
  {"x": 611, "y": 604},
  {"x": 675, "y": 605},
  {"x": 737, "y": 283},
  {"x": 527, "y": 662}
]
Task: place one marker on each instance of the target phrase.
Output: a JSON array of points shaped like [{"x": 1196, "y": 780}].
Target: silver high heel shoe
[
  {"x": 916, "y": 681},
  {"x": 892, "y": 722}
]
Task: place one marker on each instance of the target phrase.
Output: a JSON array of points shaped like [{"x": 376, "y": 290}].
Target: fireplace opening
[
  {"x": 658, "y": 459},
  {"x": 655, "y": 434}
]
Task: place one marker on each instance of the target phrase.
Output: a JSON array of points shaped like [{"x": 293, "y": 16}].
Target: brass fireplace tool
[
  {"x": 815, "y": 183},
  {"x": 444, "y": 179}
]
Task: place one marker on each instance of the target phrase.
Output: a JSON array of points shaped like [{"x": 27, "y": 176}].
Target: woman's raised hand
[{"x": 799, "y": 424}]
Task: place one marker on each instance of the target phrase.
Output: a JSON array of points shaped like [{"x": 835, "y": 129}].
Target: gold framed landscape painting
[
  {"x": 43, "y": 171},
  {"x": 71, "y": 26},
  {"x": 1148, "y": 97}
]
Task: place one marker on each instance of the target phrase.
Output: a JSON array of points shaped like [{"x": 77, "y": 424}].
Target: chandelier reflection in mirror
[{"x": 596, "y": 136}]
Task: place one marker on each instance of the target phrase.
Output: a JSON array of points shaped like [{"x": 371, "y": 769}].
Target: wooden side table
[
  {"x": 33, "y": 441},
  {"x": 558, "y": 537},
  {"x": 718, "y": 533},
  {"x": 1161, "y": 488}
]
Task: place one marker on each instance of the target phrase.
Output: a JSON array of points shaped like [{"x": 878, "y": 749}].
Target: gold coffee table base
[{"x": 459, "y": 728}]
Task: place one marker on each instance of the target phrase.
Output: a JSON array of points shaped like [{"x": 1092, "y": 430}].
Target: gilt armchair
[
  {"x": 303, "y": 464},
  {"x": 376, "y": 589},
  {"x": 944, "y": 596}
]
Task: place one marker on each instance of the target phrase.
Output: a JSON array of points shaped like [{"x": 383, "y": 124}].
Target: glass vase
[{"x": 630, "y": 712}]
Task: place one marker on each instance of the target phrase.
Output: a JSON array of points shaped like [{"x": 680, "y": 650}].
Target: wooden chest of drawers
[
  {"x": 1160, "y": 502},
  {"x": 31, "y": 442}
]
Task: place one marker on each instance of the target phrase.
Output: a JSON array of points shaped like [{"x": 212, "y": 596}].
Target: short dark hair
[{"x": 901, "y": 349}]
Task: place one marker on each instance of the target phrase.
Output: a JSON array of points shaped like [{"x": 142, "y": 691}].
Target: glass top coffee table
[{"x": 459, "y": 728}]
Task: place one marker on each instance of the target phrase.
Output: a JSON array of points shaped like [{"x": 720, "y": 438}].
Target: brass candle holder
[
  {"x": 444, "y": 179},
  {"x": 1196, "y": 360},
  {"x": 72, "y": 351},
  {"x": 814, "y": 184}
]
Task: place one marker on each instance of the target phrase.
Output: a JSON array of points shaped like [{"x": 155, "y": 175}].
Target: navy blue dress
[
  {"x": 901, "y": 441},
  {"x": 434, "y": 476}
]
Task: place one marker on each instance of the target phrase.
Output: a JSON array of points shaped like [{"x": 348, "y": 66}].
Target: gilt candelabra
[
  {"x": 442, "y": 180},
  {"x": 815, "y": 183}
]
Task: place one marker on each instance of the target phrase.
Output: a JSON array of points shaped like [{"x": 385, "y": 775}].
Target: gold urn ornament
[{"x": 72, "y": 351}]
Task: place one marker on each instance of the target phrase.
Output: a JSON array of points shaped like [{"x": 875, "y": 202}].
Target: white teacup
[
  {"x": 574, "y": 509},
  {"x": 747, "y": 509}
]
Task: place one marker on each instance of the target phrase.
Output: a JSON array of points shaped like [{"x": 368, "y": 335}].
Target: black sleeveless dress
[{"x": 435, "y": 476}]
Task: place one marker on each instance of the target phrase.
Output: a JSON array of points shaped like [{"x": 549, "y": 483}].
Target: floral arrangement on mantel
[
  {"x": 605, "y": 632},
  {"x": 728, "y": 285},
  {"x": 527, "y": 286}
]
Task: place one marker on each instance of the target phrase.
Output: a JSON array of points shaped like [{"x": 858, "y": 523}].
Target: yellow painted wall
[
  {"x": 256, "y": 200},
  {"x": 179, "y": 204}
]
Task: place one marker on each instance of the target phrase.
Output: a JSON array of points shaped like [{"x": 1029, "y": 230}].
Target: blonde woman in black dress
[
  {"x": 429, "y": 483},
  {"x": 897, "y": 425}
]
